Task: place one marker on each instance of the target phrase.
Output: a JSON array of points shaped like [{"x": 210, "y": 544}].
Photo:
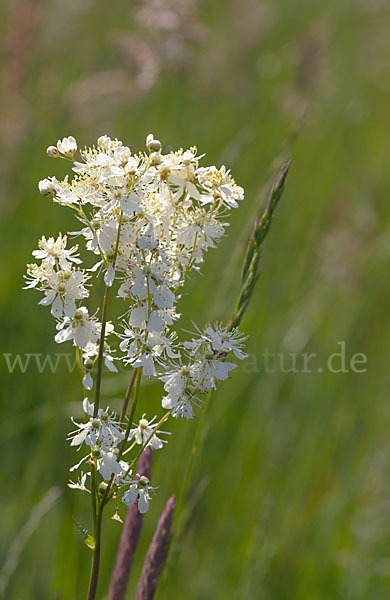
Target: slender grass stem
[
  {"x": 133, "y": 408},
  {"x": 134, "y": 403},
  {"x": 199, "y": 429},
  {"x": 127, "y": 396}
]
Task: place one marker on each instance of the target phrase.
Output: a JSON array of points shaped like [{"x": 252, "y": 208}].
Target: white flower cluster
[{"x": 147, "y": 220}]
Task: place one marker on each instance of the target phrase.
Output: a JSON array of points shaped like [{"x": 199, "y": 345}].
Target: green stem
[
  {"x": 133, "y": 406},
  {"x": 134, "y": 403},
  {"x": 101, "y": 351},
  {"x": 93, "y": 494},
  {"x": 94, "y": 576}
]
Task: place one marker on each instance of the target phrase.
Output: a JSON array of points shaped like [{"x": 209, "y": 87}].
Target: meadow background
[{"x": 289, "y": 497}]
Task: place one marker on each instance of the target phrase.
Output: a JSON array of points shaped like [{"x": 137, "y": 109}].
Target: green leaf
[{"x": 88, "y": 539}]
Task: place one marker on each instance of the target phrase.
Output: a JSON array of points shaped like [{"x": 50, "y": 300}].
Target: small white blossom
[
  {"x": 139, "y": 492},
  {"x": 101, "y": 429},
  {"x": 80, "y": 328},
  {"x": 80, "y": 484},
  {"x": 143, "y": 431},
  {"x": 48, "y": 186},
  {"x": 67, "y": 146}
]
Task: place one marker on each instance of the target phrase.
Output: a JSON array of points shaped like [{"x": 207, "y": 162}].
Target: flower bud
[
  {"x": 104, "y": 142},
  {"x": 88, "y": 364},
  {"x": 102, "y": 488},
  {"x": 78, "y": 314},
  {"x": 143, "y": 424},
  {"x": 143, "y": 481},
  {"x": 155, "y": 159},
  {"x": 46, "y": 187},
  {"x": 152, "y": 144},
  {"x": 52, "y": 152}
]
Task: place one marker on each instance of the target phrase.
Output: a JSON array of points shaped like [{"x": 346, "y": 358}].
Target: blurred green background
[{"x": 289, "y": 497}]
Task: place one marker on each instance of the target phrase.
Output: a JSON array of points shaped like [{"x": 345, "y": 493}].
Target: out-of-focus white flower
[{"x": 218, "y": 340}]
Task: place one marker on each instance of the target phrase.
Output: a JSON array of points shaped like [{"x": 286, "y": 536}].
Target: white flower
[
  {"x": 219, "y": 185},
  {"x": 143, "y": 431},
  {"x": 48, "y": 186},
  {"x": 55, "y": 251},
  {"x": 108, "y": 465},
  {"x": 181, "y": 407},
  {"x": 80, "y": 328},
  {"x": 80, "y": 484},
  {"x": 90, "y": 354},
  {"x": 64, "y": 289},
  {"x": 219, "y": 340},
  {"x": 67, "y": 146},
  {"x": 176, "y": 381},
  {"x": 210, "y": 369},
  {"x": 139, "y": 491},
  {"x": 102, "y": 430}
]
